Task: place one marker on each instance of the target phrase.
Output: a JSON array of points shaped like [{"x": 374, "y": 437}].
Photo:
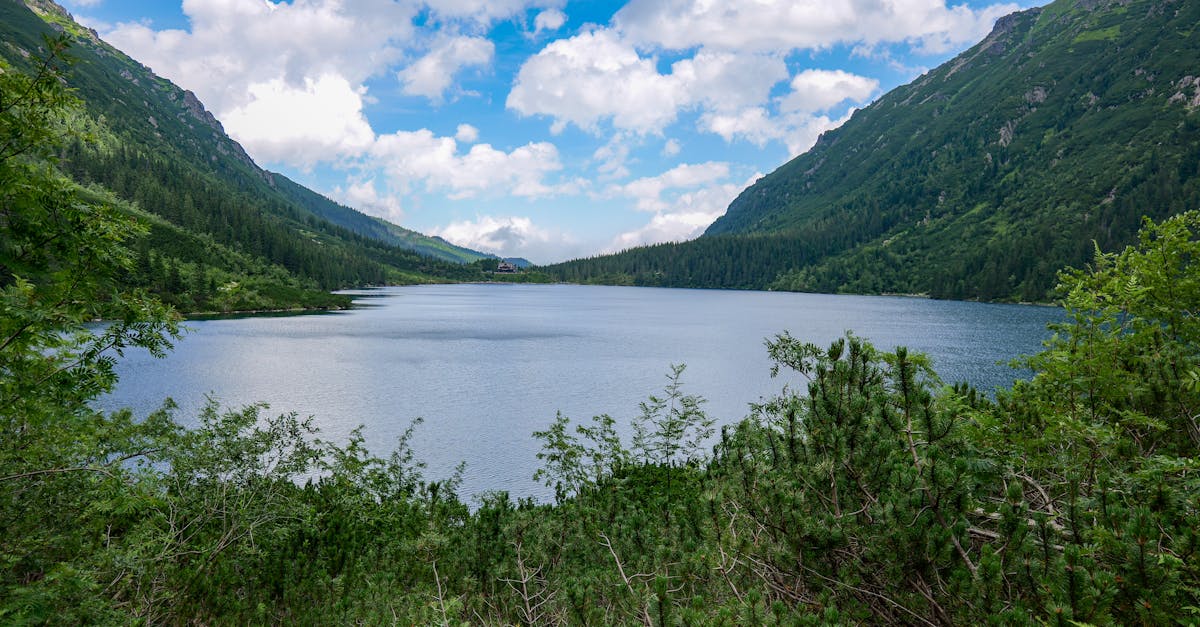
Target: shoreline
[
  {"x": 262, "y": 312},
  {"x": 204, "y": 315}
]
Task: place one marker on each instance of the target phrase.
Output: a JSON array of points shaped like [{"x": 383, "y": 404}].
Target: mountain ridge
[
  {"x": 223, "y": 233},
  {"x": 1064, "y": 126},
  {"x": 142, "y": 127}
]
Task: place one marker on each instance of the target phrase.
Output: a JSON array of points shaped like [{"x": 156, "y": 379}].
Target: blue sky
[{"x": 546, "y": 129}]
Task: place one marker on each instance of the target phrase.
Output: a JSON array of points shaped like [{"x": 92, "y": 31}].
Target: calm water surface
[{"x": 486, "y": 365}]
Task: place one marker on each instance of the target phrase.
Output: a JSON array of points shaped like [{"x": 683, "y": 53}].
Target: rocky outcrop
[
  {"x": 192, "y": 105},
  {"x": 1183, "y": 86}
]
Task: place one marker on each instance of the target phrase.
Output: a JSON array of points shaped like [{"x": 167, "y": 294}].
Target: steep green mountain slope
[
  {"x": 155, "y": 146},
  {"x": 1065, "y": 126},
  {"x": 372, "y": 227}
]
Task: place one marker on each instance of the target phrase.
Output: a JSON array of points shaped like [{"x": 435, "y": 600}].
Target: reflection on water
[{"x": 486, "y": 365}]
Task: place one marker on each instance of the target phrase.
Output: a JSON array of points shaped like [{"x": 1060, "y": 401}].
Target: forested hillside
[
  {"x": 224, "y": 233},
  {"x": 1064, "y": 127}
]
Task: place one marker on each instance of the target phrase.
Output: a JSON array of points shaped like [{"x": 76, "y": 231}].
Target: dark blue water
[{"x": 486, "y": 365}]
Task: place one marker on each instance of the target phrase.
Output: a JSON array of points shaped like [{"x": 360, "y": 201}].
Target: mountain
[
  {"x": 216, "y": 219},
  {"x": 1058, "y": 132},
  {"x": 373, "y": 227}
]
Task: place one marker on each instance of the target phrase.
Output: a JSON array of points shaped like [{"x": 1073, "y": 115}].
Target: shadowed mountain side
[{"x": 216, "y": 219}]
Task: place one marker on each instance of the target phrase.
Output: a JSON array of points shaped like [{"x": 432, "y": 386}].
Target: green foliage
[
  {"x": 1100, "y": 446},
  {"x": 861, "y": 488},
  {"x": 671, "y": 428},
  {"x": 61, "y": 258},
  {"x": 741, "y": 262},
  {"x": 1127, "y": 353}
]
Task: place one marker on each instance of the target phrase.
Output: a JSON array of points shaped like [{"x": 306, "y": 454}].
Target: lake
[{"x": 486, "y": 365}]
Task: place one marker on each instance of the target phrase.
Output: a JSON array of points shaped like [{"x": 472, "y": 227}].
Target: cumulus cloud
[
  {"x": 484, "y": 11},
  {"x": 784, "y": 25},
  {"x": 598, "y": 76},
  {"x": 233, "y": 45},
  {"x": 735, "y": 59},
  {"x": 363, "y": 196},
  {"x": 819, "y": 90},
  {"x": 287, "y": 81},
  {"x": 431, "y": 75},
  {"x": 754, "y": 124},
  {"x": 724, "y": 81},
  {"x": 466, "y": 133},
  {"x": 591, "y": 77},
  {"x": 685, "y": 215},
  {"x": 301, "y": 125},
  {"x": 549, "y": 20},
  {"x": 797, "y": 131},
  {"x": 260, "y": 66},
  {"x": 414, "y": 158},
  {"x": 803, "y": 111},
  {"x": 287, "y": 78},
  {"x": 506, "y": 236},
  {"x": 802, "y": 130},
  {"x": 666, "y": 227},
  {"x": 613, "y": 157},
  {"x": 648, "y": 191}
]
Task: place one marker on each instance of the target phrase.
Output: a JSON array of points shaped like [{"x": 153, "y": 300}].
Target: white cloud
[
  {"x": 507, "y": 236},
  {"x": 666, "y": 227},
  {"x": 300, "y": 126},
  {"x": 260, "y": 66},
  {"x": 952, "y": 27},
  {"x": 549, "y": 20},
  {"x": 287, "y": 78},
  {"x": 785, "y": 25},
  {"x": 466, "y": 133},
  {"x": 413, "y": 158},
  {"x": 802, "y": 130},
  {"x": 364, "y": 197},
  {"x": 754, "y": 124},
  {"x": 684, "y": 217},
  {"x": 648, "y": 191},
  {"x": 798, "y": 131},
  {"x": 598, "y": 76},
  {"x": 431, "y": 75},
  {"x": 613, "y": 157},
  {"x": 820, "y": 90},
  {"x": 606, "y": 76},
  {"x": 724, "y": 81},
  {"x": 232, "y": 45},
  {"x": 484, "y": 11},
  {"x": 84, "y": 3},
  {"x": 592, "y": 77}
]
